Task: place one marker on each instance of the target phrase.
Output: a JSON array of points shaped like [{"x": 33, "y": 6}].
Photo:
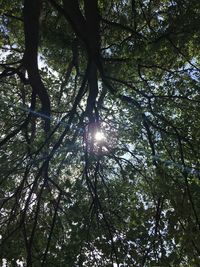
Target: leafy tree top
[{"x": 99, "y": 133}]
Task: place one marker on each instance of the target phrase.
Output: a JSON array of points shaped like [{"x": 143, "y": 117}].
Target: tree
[{"x": 100, "y": 133}]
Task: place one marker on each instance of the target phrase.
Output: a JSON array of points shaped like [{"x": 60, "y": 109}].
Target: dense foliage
[{"x": 128, "y": 71}]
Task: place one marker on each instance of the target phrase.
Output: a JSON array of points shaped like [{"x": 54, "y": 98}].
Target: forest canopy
[{"x": 100, "y": 133}]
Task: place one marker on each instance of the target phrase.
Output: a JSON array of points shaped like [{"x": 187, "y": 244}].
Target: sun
[{"x": 99, "y": 136}]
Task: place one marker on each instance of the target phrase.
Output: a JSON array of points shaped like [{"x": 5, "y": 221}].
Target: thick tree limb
[
  {"x": 87, "y": 29},
  {"x": 30, "y": 61}
]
